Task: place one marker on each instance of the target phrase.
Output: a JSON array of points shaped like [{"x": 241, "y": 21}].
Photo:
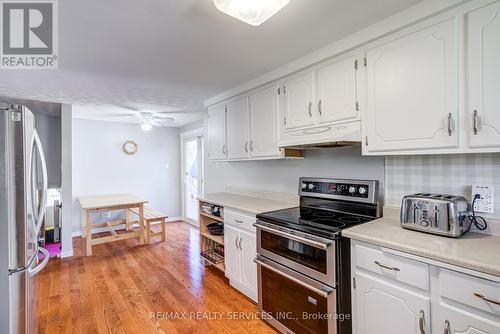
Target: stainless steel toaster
[{"x": 435, "y": 213}]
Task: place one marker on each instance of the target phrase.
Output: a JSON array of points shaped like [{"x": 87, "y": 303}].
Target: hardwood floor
[{"x": 121, "y": 287}]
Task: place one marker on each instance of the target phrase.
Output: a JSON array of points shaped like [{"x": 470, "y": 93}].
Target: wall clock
[{"x": 130, "y": 147}]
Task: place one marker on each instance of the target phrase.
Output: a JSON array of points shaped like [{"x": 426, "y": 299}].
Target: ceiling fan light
[
  {"x": 146, "y": 127},
  {"x": 253, "y": 12}
]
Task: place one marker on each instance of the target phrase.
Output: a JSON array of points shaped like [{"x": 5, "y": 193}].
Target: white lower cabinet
[
  {"x": 239, "y": 253},
  {"x": 386, "y": 308},
  {"x": 385, "y": 301},
  {"x": 453, "y": 320}
]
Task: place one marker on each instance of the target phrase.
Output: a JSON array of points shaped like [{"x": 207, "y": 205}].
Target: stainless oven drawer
[
  {"x": 294, "y": 303},
  {"x": 310, "y": 255}
]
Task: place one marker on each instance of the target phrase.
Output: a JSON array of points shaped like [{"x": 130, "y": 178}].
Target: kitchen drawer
[
  {"x": 463, "y": 289},
  {"x": 239, "y": 220},
  {"x": 392, "y": 266}
]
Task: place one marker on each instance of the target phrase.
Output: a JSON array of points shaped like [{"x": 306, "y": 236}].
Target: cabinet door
[
  {"x": 237, "y": 129},
  {"x": 484, "y": 76},
  {"x": 231, "y": 253},
  {"x": 463, "y": 322},
  {"x": 384, "y": 308},
  {"x": 336, "y": 87},
  {"x": 412, "y": 91},
  {"x": 298, "y": 98},
  {"x": 217, "y": 131},
  {"x": 248, "y": 272},
  {"x": 263, "y": 122}
]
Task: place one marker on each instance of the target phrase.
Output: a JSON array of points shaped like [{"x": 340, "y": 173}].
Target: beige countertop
[
  {"x": 476, "y": 251},
  {"x": 250, "y": 204}
]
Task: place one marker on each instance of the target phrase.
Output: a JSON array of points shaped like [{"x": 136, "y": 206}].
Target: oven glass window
[
  {"x": 293, "y": 305},
  {"x": 309, "y": 256}
]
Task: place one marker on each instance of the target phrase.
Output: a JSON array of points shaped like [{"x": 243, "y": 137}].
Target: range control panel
[
  {"x": 350, "y": 190},
  {"x": 342, "y": 189}
]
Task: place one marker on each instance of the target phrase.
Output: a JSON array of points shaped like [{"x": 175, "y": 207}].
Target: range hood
[
  {"x": 333, "y": 144},
  {"x": 322, "y": 136}
]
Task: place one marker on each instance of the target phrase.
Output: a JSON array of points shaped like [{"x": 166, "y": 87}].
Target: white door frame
[{"x": 185, "y": 136}]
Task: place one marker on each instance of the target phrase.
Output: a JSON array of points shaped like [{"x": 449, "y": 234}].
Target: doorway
[{"x": 192, "y": 173}]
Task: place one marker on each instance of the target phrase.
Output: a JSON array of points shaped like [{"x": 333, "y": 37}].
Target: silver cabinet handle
[
  {"x": 251, "y": 145},
  {"x": 319, "y": 108},
  {"x": 478, "y": 295},
  {"x": 321, "y": 292},
  {"x": 386, "y": 267},
  {"x": 224, "y": 149},
  {"x": 239, "y": 244},
  {"x": 474, "y": 120},
  {"x": 421, "y": 322},
  {"x": 447, "y": 327},
  {"x": 238, "y": 221},
  {"x": 246, "y": 147},
  {"x": 236, "y": 242},
  {"x": 295, "y": 237},
  {"x": 310, "y": 109},
  {"x": 450, "y": 132}
]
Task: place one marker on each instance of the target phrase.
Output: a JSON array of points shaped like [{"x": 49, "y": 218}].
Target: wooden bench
[{"x": 150, "y": 216}]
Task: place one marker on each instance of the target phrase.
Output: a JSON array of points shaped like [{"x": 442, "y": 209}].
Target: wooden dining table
[{"x": 105, "y": 203}]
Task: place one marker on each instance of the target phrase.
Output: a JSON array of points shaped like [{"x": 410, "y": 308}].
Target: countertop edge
[{"x": 279, "y": 204}]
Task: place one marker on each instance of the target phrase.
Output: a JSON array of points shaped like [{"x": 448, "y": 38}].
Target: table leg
[
  {"x": 88, "y": 232},
  {"x": 141, "y": 223},
  {"x": 128, "y": 219},
  {"x": 82, "y": 223}
]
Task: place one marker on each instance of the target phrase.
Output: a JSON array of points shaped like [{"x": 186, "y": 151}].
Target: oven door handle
[
  {"x": 322, "y": 245},
  {"x": 321, "y": 292}
]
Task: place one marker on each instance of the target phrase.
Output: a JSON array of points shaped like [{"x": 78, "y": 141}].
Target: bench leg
[
  {"x": 141, "y": 224},
  {"x": 163, "y": 232},
  {"x": 148, "y": 232}
]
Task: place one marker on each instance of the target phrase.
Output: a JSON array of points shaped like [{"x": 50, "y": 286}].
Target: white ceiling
[{"x": 120, "y": 56}]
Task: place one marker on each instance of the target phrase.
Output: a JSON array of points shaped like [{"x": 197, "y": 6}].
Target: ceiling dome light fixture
[
  {"x": 253, "y": 12},
  {"x": 146, "y": 127}
]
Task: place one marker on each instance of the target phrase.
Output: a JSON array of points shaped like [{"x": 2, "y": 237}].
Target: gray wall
[
  {"x": 49, "y": 130},
  {"x": 283, "y": 175},
  {"x": 101, "y": 167}
]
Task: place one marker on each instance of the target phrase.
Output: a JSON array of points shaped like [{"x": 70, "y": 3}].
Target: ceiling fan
[{"x": 148, "y": 119}]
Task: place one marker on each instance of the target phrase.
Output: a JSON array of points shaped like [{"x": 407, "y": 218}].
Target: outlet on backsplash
[{"x": 486, "y": 202}]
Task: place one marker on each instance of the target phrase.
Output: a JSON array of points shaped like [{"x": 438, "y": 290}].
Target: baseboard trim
[
  {"x": 105, "y": 229},
  {"x": 67, "y": 254}
]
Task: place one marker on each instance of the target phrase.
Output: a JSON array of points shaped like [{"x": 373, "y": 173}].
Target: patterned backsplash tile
[{"x": 450, "y": 174}]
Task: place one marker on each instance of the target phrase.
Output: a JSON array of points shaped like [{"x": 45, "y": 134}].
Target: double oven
[
  {"x": 303, "y": 262},
  {"x": 297, "y": 279}
]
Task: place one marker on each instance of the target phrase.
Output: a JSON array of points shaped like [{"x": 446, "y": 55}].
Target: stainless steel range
[{"x": 304, "y": 262}]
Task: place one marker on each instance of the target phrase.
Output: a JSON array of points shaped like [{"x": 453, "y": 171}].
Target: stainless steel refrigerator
[{"x": 23, "y": 197}]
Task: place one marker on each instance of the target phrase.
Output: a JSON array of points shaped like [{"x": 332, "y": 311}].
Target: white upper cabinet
[
  {"x": 298, "y": 101},
  {"x": 412, "y": 91},
  {"x": 483, "y": 112},
  {"x": 217, "y": 131},
  {"x": 336, "y": 91},
  {"x": 263, "y": 122},
  {"x": 237, "y": 129}
]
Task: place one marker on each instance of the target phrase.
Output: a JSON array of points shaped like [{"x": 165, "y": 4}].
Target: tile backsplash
[{"x": 450, "y": 174}]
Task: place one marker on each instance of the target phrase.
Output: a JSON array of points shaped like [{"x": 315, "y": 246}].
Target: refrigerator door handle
[
  {"x": 43, "y": 202},
  {"x": 41, "y": 265}
]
